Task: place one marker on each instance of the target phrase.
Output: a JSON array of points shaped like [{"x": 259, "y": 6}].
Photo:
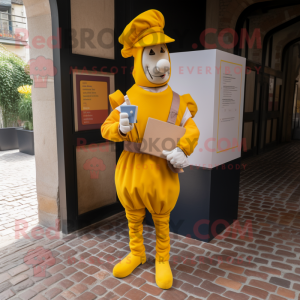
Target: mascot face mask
[
  {"x": 156, "y": 63},
  {"x": 152, "y": 70}
]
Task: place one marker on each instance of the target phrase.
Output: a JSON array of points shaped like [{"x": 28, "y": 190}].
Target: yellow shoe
[
  {"x": 126, "y": 266},
  {"x": 163, "y": 275}
]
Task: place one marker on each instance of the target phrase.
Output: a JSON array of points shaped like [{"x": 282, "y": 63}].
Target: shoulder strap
[{"x": 174, "y": 109}]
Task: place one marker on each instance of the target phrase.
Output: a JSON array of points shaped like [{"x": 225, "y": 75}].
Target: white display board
[{"x": 216, "y": 81}]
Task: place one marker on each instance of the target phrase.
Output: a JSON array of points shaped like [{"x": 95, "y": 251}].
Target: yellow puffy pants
[
  {"x": 145, "y": 181},
  {"x": 136, "y": 242}
]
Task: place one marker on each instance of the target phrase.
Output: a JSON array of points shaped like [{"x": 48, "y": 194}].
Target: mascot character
[{"x": 143, "y": 180}]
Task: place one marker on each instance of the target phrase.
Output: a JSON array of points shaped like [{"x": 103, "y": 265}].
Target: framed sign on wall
[
  {"x": 91, "y": 103},
  {"x": 95, "y": 162}
]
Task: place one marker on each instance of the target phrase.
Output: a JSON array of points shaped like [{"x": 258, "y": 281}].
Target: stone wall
[
  {"x": 223, "y": 14},
  {"x": 267, "y": 22},
  {"x": 39, "y": 27}
]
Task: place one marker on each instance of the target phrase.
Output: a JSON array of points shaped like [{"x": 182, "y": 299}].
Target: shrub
[
  {"x": 12, "y": 76},
  {"x": 25, "y": 107}
]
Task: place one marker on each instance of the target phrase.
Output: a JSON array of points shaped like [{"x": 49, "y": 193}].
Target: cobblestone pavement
[
  {"x": 255, "y": 258},
  {"x": 18, "y": 200}
]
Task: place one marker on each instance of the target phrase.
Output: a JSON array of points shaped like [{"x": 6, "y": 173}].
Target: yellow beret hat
[{"x": 143, "y": 31}]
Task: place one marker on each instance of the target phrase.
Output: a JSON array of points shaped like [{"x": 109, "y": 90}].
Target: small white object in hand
[{"x": 127, "y": 100}]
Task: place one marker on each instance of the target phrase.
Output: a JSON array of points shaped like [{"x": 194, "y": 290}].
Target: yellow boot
[
  {"x": 163, "y": 274},
  {"x": 126, "y": 266}
]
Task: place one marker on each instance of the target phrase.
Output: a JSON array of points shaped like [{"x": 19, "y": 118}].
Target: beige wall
[
  {"x": 19, "y": 10},
  {"x": 39, "y": 24},
  {"x": 94, "y": 16},
  {"x": 19, "y": 50}
]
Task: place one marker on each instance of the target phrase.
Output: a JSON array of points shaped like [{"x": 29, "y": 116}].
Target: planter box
[
  {"x": 8, "y": 139},
  {"x": 26, "y": 141}
]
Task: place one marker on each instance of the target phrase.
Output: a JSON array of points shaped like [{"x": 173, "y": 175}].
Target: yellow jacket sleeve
[
  {"x": 190, "y": 103},
  {"x": 116, "y": 99},
  {"x": 110, "y": 128},
  {"x": 190, "y": 139}
]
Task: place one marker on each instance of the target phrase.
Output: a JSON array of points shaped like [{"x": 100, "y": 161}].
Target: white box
[{"x": 215, "y": 80}]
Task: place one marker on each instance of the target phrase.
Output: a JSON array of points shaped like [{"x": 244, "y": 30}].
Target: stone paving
[
  {"x": 18, "y": 200},
  {"x": 255, "y": 258}
]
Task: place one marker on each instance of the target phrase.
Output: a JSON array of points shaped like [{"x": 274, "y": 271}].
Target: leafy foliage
[
  {"x": 12, "y": 76},
  {"x": 25, "y": 111}
]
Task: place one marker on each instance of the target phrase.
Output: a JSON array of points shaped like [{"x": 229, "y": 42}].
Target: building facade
[{"x": 13, "y": 28}]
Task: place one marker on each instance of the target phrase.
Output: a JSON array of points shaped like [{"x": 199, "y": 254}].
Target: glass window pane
[
  {"x": 249, "y": 95},
  {"x": 268, "y": 131},
  {"x": 277, "y": 93},
  {"x": 257, "y": 95},
  {"x": 248, "y": 134},
  {"x": 271, "y": 95},
  {"x": 274, "y": 130},
  {"x": 296, "y": 107},
  {"x": 255, "y": 135}
]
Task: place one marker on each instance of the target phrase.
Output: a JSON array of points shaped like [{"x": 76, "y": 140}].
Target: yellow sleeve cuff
[{"x": 122, "y": 135}]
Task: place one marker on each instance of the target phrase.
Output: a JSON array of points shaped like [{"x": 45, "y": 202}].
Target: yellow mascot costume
[{"x": 143, "y": 180}]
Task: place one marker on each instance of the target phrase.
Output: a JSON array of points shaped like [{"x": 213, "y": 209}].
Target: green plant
[
  {"x": 25, "y": 111},
  {"x": 12, "y": 76}
]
